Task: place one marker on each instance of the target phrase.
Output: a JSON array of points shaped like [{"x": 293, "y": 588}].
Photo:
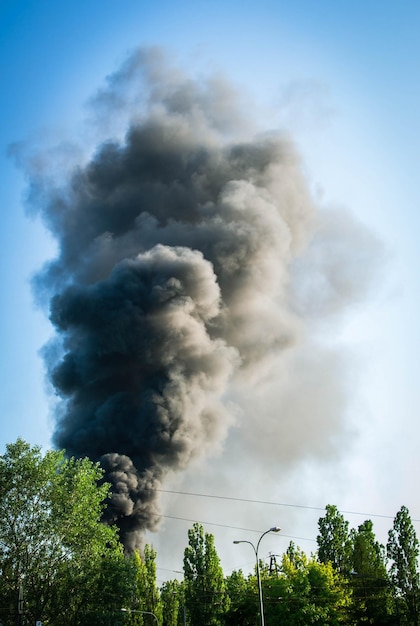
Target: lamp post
[
  {"x": 142, "y": 612},
  {"x": 274, "y": 529}
]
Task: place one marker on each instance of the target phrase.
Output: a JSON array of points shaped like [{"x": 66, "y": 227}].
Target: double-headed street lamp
[{"x": 274, "y": 529}]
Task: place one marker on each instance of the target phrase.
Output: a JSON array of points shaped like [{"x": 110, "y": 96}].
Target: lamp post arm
[
  {"x": 245, "y": 541},
  {"x": 259, "y": 540},
  {"x": 142, "y": 612}
]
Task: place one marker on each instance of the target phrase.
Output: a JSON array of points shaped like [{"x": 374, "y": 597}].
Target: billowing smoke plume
[{"x": 176, "y": 243}]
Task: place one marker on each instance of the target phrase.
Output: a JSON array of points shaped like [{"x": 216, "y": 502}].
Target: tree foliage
[
  {"x": 334, "y": 543},
  {"x": 305, "y": 592},
  {"x": 403, "y": 551},
  {"x": 369, "y": 577},
  {"x": 243, "y": 593},
  {"x": 205, "y": 594},
  {"x": 173, "y": 602},
  {"x": 51, "y": 539},
  {"x": 147, "y": 598}
]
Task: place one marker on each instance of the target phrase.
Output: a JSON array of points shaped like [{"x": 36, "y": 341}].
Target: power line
[
  {"x": 285, "y": 504},
  {"x": 250, "y": 530}
]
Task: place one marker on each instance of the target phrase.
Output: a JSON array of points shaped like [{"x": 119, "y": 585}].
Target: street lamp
[
  {"x": 142, "y": 612},
  {"x": 274, "y": 529}
]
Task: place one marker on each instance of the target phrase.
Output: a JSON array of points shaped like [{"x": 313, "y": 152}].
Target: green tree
[
  {"x": 53, "y": 549},
  {"x": 205, "y": 593},
  {"x": 146, "y": 590},
  {"x": 296, "y": 556},
  {"x": 173, "y": 602},
  {"x": 373, "y": 603},
  {"x": 243, "y": 593},
  {"x": 305, "y": 592},
  {"x": 334, "y": 541},
  {"x": 403, "y": 551}
]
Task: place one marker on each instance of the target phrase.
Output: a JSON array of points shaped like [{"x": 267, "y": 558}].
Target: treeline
[{"x": 59, "y": 565}]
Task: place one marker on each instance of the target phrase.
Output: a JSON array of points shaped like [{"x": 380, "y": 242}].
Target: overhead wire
[
  {"x": 204, "y": 523},
  {"x": 253, "y": 501},
  {"x": 284, "y": 504}
]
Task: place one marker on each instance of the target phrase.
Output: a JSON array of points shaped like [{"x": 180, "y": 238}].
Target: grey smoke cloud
[{"x": 177, "y": 273}]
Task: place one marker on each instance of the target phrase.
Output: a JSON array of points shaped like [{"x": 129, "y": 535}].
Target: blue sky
[{"x": 343, "y": 79}]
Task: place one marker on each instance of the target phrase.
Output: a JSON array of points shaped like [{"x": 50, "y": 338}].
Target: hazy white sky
[{"x": 342, "y": 79}]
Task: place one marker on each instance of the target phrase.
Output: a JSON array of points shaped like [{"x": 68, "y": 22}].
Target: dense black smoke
[{"x": 173, "y": 274}]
